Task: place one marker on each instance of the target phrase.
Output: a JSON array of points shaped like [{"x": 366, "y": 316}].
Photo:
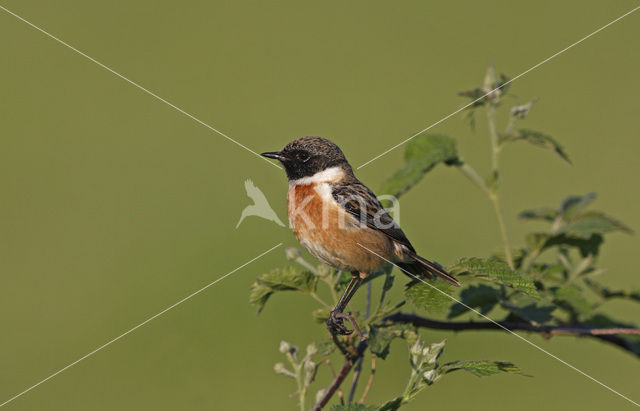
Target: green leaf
[
  {"x": 325, "y": 347},
  {"x": 320, "y": 315},
  {"x": 354, "y": 407},
  {"x": 542, "y": 241},
  {"x": 541, "y": 213},
  {"x": 534, "y": 312},
  {"x": 536, "y": 241},
  {"x": 379, "y": 341},
  {"x": 572, "y": 205},
  {"x": 289, "y": 278},
  {"x": 433, "y": 297},
  {"x": 281, "y": 279},
  {"x": 482, "y": 368},
  {"x": 480, "y": 297},
  {"x": 571, "y": 297},
  {"x": 259, "y": 295},
  {"x": 495, "y": 271},
  {"x": 422, "y": 154},
  {"x": 380, "y": 337},
  {"x": 537, "y": 138},
  {"x": 593, "y": 222},
  {"x": 607, "y": 293}
]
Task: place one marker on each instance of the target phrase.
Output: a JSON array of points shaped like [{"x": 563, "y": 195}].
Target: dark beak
[{"x": 274, "y": 154}]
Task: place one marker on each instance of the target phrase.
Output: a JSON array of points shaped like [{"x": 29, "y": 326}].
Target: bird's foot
[{"x": 335, "y": 324}]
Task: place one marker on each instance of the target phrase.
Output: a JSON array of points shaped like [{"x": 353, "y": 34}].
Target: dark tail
[{"x": 423, "y": 267}]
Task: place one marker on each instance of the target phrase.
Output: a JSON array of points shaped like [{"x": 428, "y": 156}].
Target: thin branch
[
  {"x": 495, "y": 200},
  {"x": 335, "y": 385},
  {"x": 349, "y": 360},
  {"x": 371, "y": 376},
  {"x": 605, "y": 334},
  {"x": 358, "y": 368},
  {"x": 419, "y": 321},
  {"x": 333, "y": 372},
  {"x": 356, "y": 377},
  {"x": 494, "y": 190},
  {"x": 492, "y": 194}
]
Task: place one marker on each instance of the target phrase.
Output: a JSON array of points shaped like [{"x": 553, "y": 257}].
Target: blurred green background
[{"x": 115, "y": 206}]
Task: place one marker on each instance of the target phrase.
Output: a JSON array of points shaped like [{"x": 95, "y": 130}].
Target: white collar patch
[{"x": 329, "y": 175}]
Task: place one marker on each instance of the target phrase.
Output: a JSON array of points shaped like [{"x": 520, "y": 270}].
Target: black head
[{"x": 307, "y": 156}]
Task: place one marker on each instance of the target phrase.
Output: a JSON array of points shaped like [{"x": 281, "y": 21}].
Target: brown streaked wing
[{"x": 358, "y": 200}]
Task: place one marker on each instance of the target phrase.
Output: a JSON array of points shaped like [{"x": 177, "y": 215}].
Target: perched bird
[
  {"x": 341, "y": 222},
  {"x": 260, "y": 206}
]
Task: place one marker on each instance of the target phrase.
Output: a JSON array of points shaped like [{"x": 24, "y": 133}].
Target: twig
[
  {"x": 472, "y": 175},
  {"x": 419, "y": 321},
  {"x": 356, "y": 377},
  {"x": 349, "y": 361},
  {"x": 605, "y": 334},
  {"x": 358, "y": 368},
  {"x": 370, "y": 382},
  {"x": 333, "y": 372},
  {"x": 335, "y": 384}
]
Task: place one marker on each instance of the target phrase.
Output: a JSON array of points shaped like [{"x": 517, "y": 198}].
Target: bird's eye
[{"x": 303, "y": 156}]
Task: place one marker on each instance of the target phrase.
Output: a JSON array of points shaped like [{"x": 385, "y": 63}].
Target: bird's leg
[{"x": 335, "y": 322}]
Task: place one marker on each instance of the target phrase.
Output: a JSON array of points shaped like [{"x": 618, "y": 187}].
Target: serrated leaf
[
  {"x": 422, "y": 154},
  {"x": 380, "y": 340},
  {"x": 289, "y": 278},
  {"x": 589, "y": 223},
  {"x": 432, "y": 297},
  {"x": 281, "y": 279},
  {"x": 495, "y": 271},
  {"x": 541, "y": 213},
  {"x": 571, "y": 297},
  {"x": 259, "y": 295},
  {"x": 537, "y": 138},
  {"x": 480, "y": 297},
  {"x": 482, "y": 368}
]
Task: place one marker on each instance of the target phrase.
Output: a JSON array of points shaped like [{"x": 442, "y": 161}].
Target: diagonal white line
[
  {"x": 138, "y": 326},
  {"x": 506, "y": 329},
  {"x": 135, "y": 84},
  {"x": 502, "y": 85}
]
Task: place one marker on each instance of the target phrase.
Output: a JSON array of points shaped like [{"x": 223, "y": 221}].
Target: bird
[
  {"x": 341, "y": 222},
  {"x": 260, "y": 206}
]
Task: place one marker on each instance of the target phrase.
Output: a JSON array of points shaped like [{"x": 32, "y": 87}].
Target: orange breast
[{"x": 331, "y": 234}]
